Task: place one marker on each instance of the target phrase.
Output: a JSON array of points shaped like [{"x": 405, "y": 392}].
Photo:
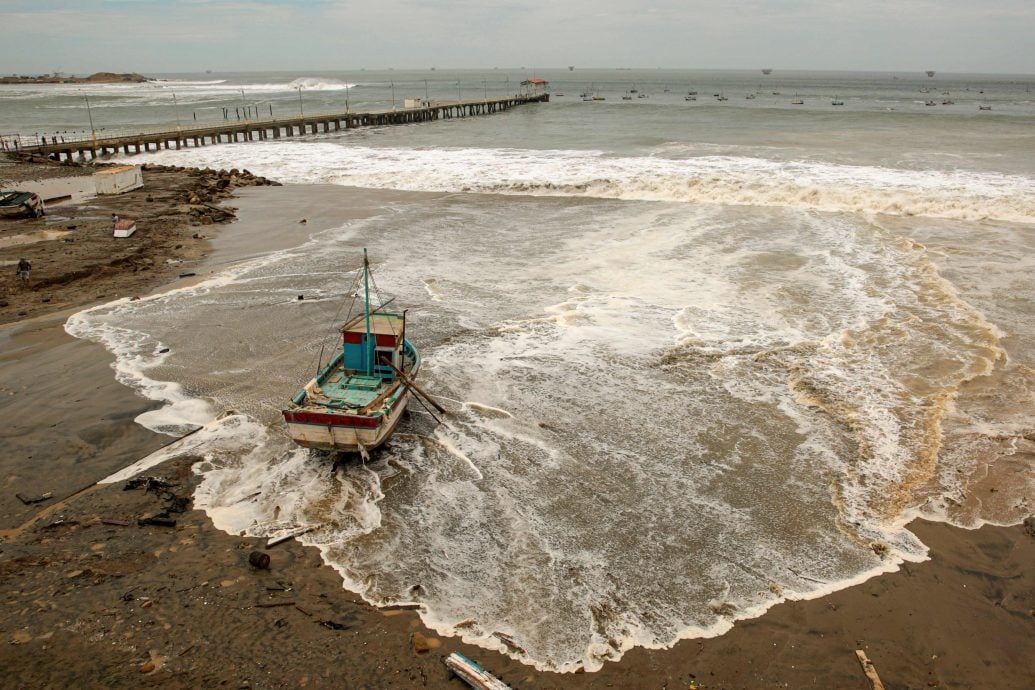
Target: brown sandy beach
[{"x": 92, "y": 598}]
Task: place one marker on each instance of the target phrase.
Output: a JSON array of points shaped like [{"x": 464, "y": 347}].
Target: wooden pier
[{"x": 96, "y": 146}]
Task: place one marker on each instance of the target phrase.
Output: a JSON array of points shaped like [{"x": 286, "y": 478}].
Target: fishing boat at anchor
[{"x": 356, "y": 401}]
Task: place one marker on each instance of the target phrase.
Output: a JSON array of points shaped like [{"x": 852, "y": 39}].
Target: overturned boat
[{"x": 356, "y": 401}]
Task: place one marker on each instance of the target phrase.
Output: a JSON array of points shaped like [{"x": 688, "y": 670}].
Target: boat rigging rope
[{"x": 353, "y": 291}]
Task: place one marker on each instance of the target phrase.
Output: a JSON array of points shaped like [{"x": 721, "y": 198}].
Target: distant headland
[{"x": 98, "y": 78}]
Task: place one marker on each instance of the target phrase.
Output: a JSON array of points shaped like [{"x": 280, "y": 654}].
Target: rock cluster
[{"x": 210, "y": 188}]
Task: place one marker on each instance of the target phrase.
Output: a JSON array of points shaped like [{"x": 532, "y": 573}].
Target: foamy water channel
[{"x": 665, "y": 416}]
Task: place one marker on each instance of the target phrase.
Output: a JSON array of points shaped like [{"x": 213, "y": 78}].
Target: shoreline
[{"x": 962, "y": 619}]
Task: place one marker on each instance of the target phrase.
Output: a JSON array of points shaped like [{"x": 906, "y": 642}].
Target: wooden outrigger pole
[{"x": 408, "y": 382}]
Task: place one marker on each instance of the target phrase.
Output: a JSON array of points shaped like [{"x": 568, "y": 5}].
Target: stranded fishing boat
[{"x": 357, "y": 400}]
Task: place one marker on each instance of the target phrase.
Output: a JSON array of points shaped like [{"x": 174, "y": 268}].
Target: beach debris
[
  {"x": 274, "y": 604},
  {"x": 176, "y": 504},
  {"x": 331, "y": 625},
  {"x": 245, "y": 498},
  {"x": 401, "y": 607},
  {"x": 509, "y": 642},
  {"x": 473, "y": 674},
  {"x": 20, "y": 637},
  {"x": 723, "y": 608},
  {"x": 260, "y": 560},
  {"x": 60, "y": 522},
  {"x": 423, "y": 644},
  {"x": 273, "y": 541},
  {"x": 159, "y": 520},
  {"x": 37, "y": 499},
  {"x": 156, "y": 484},
  {"x": 869, "y": 670},
  {"x": 116, "y": 523},
  {"x": 154, "y": 663},
  {"x": 188, "y": 274}
]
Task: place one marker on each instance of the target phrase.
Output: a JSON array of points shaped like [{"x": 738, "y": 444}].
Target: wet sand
[{"x": 128, "y": 605}]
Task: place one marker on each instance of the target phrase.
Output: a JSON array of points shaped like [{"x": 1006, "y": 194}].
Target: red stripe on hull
[{"x": 332, "y": 419}]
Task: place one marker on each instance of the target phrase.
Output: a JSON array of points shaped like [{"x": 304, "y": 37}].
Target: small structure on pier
[
  {"x": 124, "y": 178},
  {"x": 534, "y": 87}
]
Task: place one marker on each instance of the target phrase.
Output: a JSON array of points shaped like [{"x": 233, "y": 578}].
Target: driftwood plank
[
  {"x": 869, "y": 670},
  {"x": 290, "y": 535}
]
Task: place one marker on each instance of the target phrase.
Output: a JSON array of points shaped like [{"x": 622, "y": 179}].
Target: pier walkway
[{"x": 250, "y": 130}]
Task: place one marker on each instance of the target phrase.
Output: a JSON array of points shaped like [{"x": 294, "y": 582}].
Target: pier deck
[{"x": 130, "y": 142}]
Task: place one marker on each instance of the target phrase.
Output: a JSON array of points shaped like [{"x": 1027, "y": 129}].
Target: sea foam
[{"x": 719, "y": 180}]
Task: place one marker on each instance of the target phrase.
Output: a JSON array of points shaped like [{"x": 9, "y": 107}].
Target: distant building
[{"x": 534, "y": 87}]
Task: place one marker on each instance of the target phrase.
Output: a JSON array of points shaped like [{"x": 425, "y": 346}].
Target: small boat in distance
[
  {"x": 984, "y": 107},
  {"x": 837, "y": 101},
  {"x": 356, "y": 401}
]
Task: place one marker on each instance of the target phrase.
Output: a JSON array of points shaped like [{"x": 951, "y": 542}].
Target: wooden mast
[{"x": 366, "y": 312}]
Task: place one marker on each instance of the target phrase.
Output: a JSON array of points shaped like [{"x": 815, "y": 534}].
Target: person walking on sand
[{"x": 24, "y": 266}]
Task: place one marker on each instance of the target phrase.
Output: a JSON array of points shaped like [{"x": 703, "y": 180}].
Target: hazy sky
[{"x": 150, "y": 36}]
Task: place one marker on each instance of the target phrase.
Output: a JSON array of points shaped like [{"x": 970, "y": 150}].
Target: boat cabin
[{"x": 387, "y": 332}]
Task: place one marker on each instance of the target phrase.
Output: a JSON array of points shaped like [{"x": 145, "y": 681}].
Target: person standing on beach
[
  {"x": 24, "y": 266},
  {"x": 114, "y": 220}
]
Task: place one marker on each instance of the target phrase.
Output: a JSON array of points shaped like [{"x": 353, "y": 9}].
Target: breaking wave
[{"x": 721, "y": 180}]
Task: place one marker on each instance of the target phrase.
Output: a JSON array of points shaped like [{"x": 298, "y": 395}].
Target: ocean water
[{"x": 700, "y": 356}]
